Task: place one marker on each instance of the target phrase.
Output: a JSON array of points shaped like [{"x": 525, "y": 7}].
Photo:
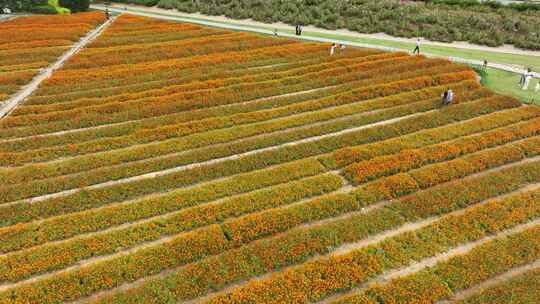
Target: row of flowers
[
  {"x": 322, "y": 277},
  {"x": 439, "y": 134},
  {"x": 370, "y": 92},
  {"x": 246, "y": 229},
  {"x": 147, "y": 71},
  {"x": 47, "y": 257},
  {"x": 259, "y": 69},
  {"x": 166, "y": 71},
  {"x": 185, "y": 97},
  {"x": 294, "y": 112},
  {"x": 464, "y": 271},
  {"x": 80, "y": 200},
  {"x": 190, "y": 85},
  {"x": 215, "y": 239},
  {"x": 296, "y": 246},
  {"x": 85, "y": 178},
  {"x": 407, "y": 160},
  {"x": 197, "y": 46},
  {"x": 524, "y": 288},
  {"x": 25, "y": 41}
]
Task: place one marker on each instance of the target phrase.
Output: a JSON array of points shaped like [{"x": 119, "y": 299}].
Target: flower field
[
  {"x": 174, "y": 163},
  {"x": 28, "y": 44}
]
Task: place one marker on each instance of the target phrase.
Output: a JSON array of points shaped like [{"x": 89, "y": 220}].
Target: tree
[
  {"x": 76, "y": 5},
  {"x": 22, "y": 5}
]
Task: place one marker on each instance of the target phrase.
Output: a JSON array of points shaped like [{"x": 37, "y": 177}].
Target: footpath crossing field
[
  {"x": 31, "y": 43},
  {"x": 173, "y": 163}
]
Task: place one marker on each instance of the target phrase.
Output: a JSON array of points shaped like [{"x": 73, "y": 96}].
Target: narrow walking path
[
  {"x": 28, "y": 89},
  {"x": 155, "y": 174},
  {"x": 263, "y": 29},
  {"x": 373, "y": 239},
  {"x": 492, "y": 282},
  {"x": 443, "y": 257}
]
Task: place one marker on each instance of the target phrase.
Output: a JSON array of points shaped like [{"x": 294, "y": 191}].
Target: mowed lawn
[{"x": 169, "y": 162}]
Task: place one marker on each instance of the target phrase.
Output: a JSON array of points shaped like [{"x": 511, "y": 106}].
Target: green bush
[
  {"x": 44, "y": 9},
  {"x": 487, "y": 23},
  {"x": 142, "y": 2},
  {"x": 75, "y": 5}
]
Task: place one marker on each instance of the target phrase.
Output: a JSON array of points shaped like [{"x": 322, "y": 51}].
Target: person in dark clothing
[
  {"x": 447, "y": 97},
  {"x": 417, "y": 48}
]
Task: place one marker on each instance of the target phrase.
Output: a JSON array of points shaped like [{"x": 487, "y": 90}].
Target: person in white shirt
[
  {"x": 447, "y": 97},
  {"x": 527, "y": 80},
  {"x": 537, "y": 89},
  {"x": 417, "y": 48},
  {"x": 332, "y": 49}
]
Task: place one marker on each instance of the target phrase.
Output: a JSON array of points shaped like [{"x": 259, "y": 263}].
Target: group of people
[{"x": 335, "y": 46}]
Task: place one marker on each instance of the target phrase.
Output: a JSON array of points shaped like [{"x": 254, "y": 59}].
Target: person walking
[
  {"x": 300, "y": 30},
  {"x": 297, "y": 30},
  {"x": 332, "y": 49},
  {"x": 537, "y": 89},
  {"x": 107, "y": 13},
  {"x": 447, "y": 97},
  {"x": 485, "y": 65},
  {"x": 343, "y": 46},
  {"x": 417, "y": 48},
  {"x": 527, "y": 80}
]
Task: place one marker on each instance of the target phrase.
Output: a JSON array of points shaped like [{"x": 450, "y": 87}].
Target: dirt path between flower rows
[
  {"x": 147, "y": 244},
  {"x": 461, "y": 295},
  {"x": 213, "y": 161},
  {"x": 27, "y": 90},
  {"x": 264, "y": 28},
  {"x": 507, "y": 49},
  {"x": 119, "y": 124},
  {"x": 370, "y": 240},
  {"x": 459, "y": 250},
  {"x": 341, "y": 250}
]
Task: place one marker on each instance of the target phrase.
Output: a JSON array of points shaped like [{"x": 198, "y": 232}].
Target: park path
[
  {"x": 258, "y": 27},
  {"x": 7, "y": 106}
]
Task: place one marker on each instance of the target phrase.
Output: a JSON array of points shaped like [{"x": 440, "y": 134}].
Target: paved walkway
[
  {"x": 10, "y": 104},
  {"x": 172, "y": 15}
]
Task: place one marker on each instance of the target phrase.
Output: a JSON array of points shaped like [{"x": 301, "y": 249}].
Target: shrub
[{"x": 75, "y": 6}]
